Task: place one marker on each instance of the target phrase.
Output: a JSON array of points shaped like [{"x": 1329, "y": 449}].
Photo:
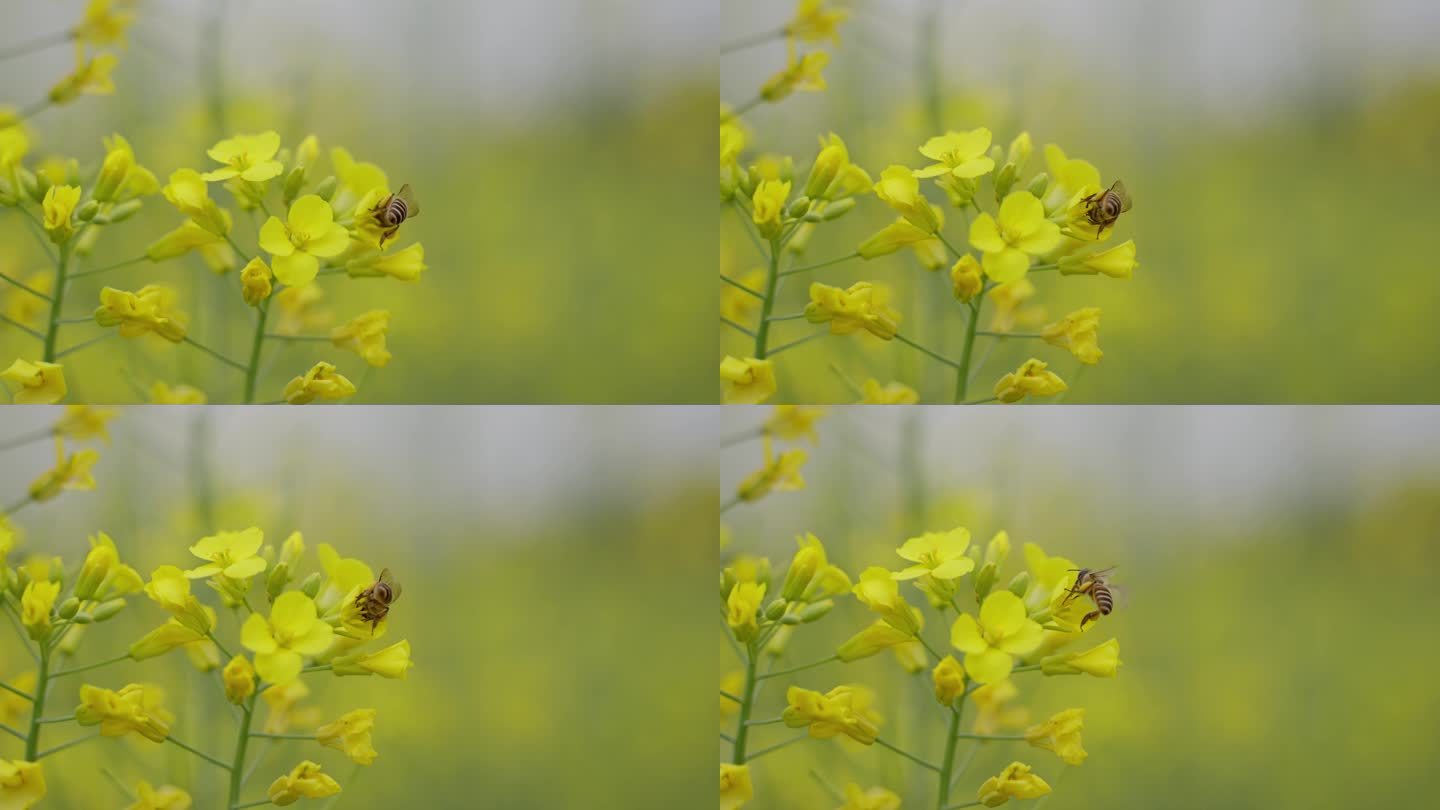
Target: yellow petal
[
  {"x": 1009, "y": 264},
  {"x": 965, "y": 635},
  {"x": 297, "y": 269},
  {"x": 330, "y": 243},
  {"x": 990, "y": 666},
  {"x": 274, "y": 239},
  {"x": 985, "y": 235},
  {"x": 294, "y": 612},
  {"x": 280, "y": 666},
  {"x": 255, "y": 634},
  {"x": 310, "y": 214},
  {"x": 1002, "y": 613}
]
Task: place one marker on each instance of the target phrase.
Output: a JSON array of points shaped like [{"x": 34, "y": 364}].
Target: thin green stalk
[
  {"x": 16, "y": 691},
  {"x": 65, "y": 719},
  {"x": 962, "y": 373},
  {"x": 746, "y": 107},
  {"x": 220, "y": 646},
  {"x": 1026, "y": 668},
  {"x": 22, "y": 327},
  {"x": 107, "y": 268},
  {"x": 218, "y": 356},
  {"x": 317, "y": 668},
  {"x": 975, "y": 803},
  {"x": 62, "y": 746},
  {"x": 120, "y": 786},
  {"x": 28, "y": 438},
  {"x": 737, "y": 438},
  {"x": 737, "y": 285},
  {"x": 807, "y": 268},
  {"x": 37, "y": 705},
  {"x": 1009, "y": 334},
  {"x": 772, "y": 278},
  {"x": 25, "y": 287},
  {"x": 278, "y": 336},
  {"x": 255, "y": 803},
  {"x": 52, "y": 330},
  {"x": 770, "y": 722},
  {"x": 84, "y": 344},
  {"x": 927, "y": 646},
  {"x": 965, "y": 736},
  {"x": 88, "y": 667},
  {"x": 730, "y": 504},
  {"x": 737, "y": 327},
  {"x": 949, "y": 762},
  {"x": 255, "y": 345},
  {"x": 282, "y": 736},
  {"x": 15, "y": 623},
  {"x": 799, "y": 341},
  {"x": 747, "y": 701},
  {"x": 197, "y": 752},
  {"x": 38, "y": 44},
  {"x": 729, "y": 697},
  {"x": 942, "y": 358},
  {"x": 237, "y": 766},
  {"x": 18, "y": 505},
  {"x": 14, "y": 732},
  {"x": 777, "y": 746},
  {"x": 751, "y": 41},
  {"x": 918, "y": 761},
  {"x": 793, "y": 670}
]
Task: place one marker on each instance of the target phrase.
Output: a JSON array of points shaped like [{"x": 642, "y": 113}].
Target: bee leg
[{"x": 1089, "y": 617}]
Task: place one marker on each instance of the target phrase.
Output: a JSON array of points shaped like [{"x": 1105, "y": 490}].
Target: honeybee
[
  {"x": 1104, "y": 208},
  {"x": 374, "y": 602},
  {"x": 395, "y": 209},
  {"x": 1097, "y": 586}
]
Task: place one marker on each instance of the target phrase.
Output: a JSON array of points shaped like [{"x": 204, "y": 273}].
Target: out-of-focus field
[
  {"x": 1281, "y": 227},
  {"x": 549, "y": 221},
  {"x": 1278, "y": 574},
  {"x": 539, "y": 680}
]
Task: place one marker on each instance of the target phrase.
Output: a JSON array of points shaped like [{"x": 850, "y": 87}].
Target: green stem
[
  {"x": 255, "y": 803},
  {"x": 807, "y": 268},
  {"x": 727, "y": 506},
  {"x": 277, "y": 336},
  {"x": 218, "y": 356},
  {"x": 918, "y": 761},
  {"x": 1026, "y": 668},
  {"x": 772, "y": 278},
  {"x": 14, "y": 732},
  {"x": 751, "y": 41},
  {"x": 110, "y": 267},
  {"x": 737, "y": 285},
  {"x": 962, "y": 373},
  {"x": 310, "y": 737},
  {"x": 800, "y": 669},
  {"x": 317, "y": 668},
  {"x": 737, "y": 327},
  {"x": 964, "y": 736},
  {"x": 52, "y": 330},
  {"x": 237, "y": 766},
  {"x": 219, "y": 646},
  {"x": 927, "y": 646},
  {"x": 772, "y": 721},
  {"x": 729, "y": 697},
  {"x": 908, "y": 342},
  {"x": 19, "y": 692},
  {"x": 949, "y": 762},
  {"x": 27, "y": 288},
  {"x": 39, "y": 44},
  {"x": 197, "y": 752},
  {"x": 86, "y": 668},
  {"x": 48, "y": 720},
  {"x": 255, "y": 346},
  {"x": 747, "y": 701},
  {"x": 84, "y": 344},
  {"x": 777, "y": 746},
  {"x": 37, "y": 705},
  {"x": 28, "y": 438},
  {"x": 62, "y": 746},
  {"x": 737, "y": 438},
  {"x": 975, "y": 803},
  {"x": 22, "y": 327},
  {"x": 746, "y": 107},
  {"x": 799, "y": 341},
  {"x": 1009, "y": 334}
]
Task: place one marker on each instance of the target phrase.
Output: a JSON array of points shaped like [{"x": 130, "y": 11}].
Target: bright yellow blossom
[
  {"x": 879, "y": 590},
  {"x": 350, "y": 734},
  {"x": 36, "y": 604},
  {"x": 365, "y": 335},
  {"x": 735, "y": 787},
  {"x": 814, "y": 22},
  {"x": 937, "y": 554},
  {"x": 1003, "y": 631},
  {"x": 41, "y": 383},
  {"x": 1015, "y": 782},
  {"x": 741, "y": 607},
  {"x": 121, "y": 178},
  {"x": 828, "y": 715},
  {"x": 103, "y": 25},
  {"x": 1077, "y": 333},
  {"x": 746, "y": 382},
  {"x": 357, "y": 178},
  {"x": 102, "y": 576},
  {"x": 768, "y": 204},
  {"x": 70, "y": 472},
  {"x": 1117, "y": 262},
  {"x": 961, "y": 154},
  {"x": 189, "y": 194},
  {"x": 893, "y": 393},
  {"x": 22, "y": 784},
  {"x": 162, "y": 394},
  {"x": 231, "y": 554},
  {"x": 876, "y": 638},
  {"x": 292, "y": 631},
  {"x": 255, "y": 283},
  {"x": 899, "y": 189},
  {"x": 949, "y": 679},
  {"x": 305, "y": 781},
  {"x": 59, "y": 209},
  {"x": 1060, "y": 734},
  {"x": 1021, "y": 232},
  {"x": 322, "y": 381},
  {"x": 1070, "y": 178},
  {"x": 402, "y": 265},
  {"x": 309, "y": 234},
  {"x": 1031, "y": 379},
  {"x": 91, "y": 77},
  {"x": 803, "y": 73},
  {"x": 965, "y": 278},
  {"x": 134, "y": 708},
  {"x": 876, "y": 798},
  {"x": 794, "y": 422},
  {"x": 863, "y": 306},
  {"x": 901, "y": 233},
  {"x": 249, "y": 157},
  {"x": 84, "y": 422},
  {"x": 165, "y": 797},
  {"x": 239, "y": 679},
  {"x": 151, "y": 310},
  {"x": 779, "y": 474},
  {"x": 390, "y": 662},
  {"x": 1102, "y": 661}
]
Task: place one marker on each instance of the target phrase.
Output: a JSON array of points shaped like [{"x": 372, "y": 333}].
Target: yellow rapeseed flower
[
  {"x": 1015, "y": 782},
  {"x": 1076, "y": 332},
  {"x": 994, "y": 712},
  {"x": 59, "y": 209},
  {"x": 1117, "y": 262},
  {"x": 350, "y": 734},
  {"x": 41, "y": 383},
  {"x": 1031, "y": 379},
  {"x": 746, "y": 382},
  {"x": 255, "y": 283},
  {"x": 937, "y": 554},
  {"x": 1102, "y": 661},
  {"x": 958, "y": 154},
  {"x": 803, "y": 73},
  {"x": 135, "y": 707},
  {"x": 814, "y": 22},
  {"x": 239, "y": 679},
  {"x": 284, "y": 711},
  {"x": 309, "y": 234},
  {"x": 305, "y": 781},
  {"x": 966, "y": 279},
  {"x": 22, "y": 784},
  {"x": 741, "y": 609},
  {"x": 91, "y": 77},
  {"x": 402, "y": 265},
  {"x": 1022, "y": 231},
  {"x": 735, "y": 787},
  {"x": 103, "y": 25},
  {"x": 901, "y": 233},
  {"x": 1060, "y": 734},
  {"x": 828, "y": 715},
  {"x": 794, "y": 422},
  {"x": 292, "y": 631},
  {"x": 70, "y": 472},
  {"x": 84, "y": 422},
  {"x": 189, "y": 194},
  {"x": 121, "y": 178},
  {"x": 322, "y": 381},
  {"x": 892, "y": 393},
  {"x": 949, "y": 679},
  {"x": 779, "y": 474},
  {"x": 150, "y": 310},
  {"x": 231, "y": 554},
  {"x": 248, "y": 157},
  {"x": 899, "y": 189},
  {"x": 163, "y": 394},
  {"x": 165, "y": 797},
  {"x": 832, "y": 176},
  {"x": 768, "y": 207},
  {"x": 876, "y": 798},
  {"x": 390, "y": 662},
  {"x": 37, "y": 603},
  {"x": 874, "y": 639},
  {"x": 879, "y": 590},
  {"x": 102, "y": 576},
  {"x": 863, "y": 306},
  {"x": 365, "y": 335},
  {"x": 1003, "y": 632}
]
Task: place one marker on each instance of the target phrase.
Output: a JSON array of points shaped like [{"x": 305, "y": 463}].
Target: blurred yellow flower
[
  {"x": 769, "y": 207},
  {"x": 863, "y": 306},
  {"x": 282, "y": 700},
  {"x": 899, "y": 189},
  {"x": 214, "y": 250},
  {"x": 255, "y": 282},
  {"x": 832, "y": 176},
  {"x": 350, "y": 734},
  {"x": 305, "y": 781},
  {"x": 134, "y": 708},
  {"x": 1102, "y": 661},
  {"x": 300, "y": 309},
  {"x": 231, "y": 554},
  {"x": 735, "y": 787},
  {"x": 961, "y": 154},
  {"x": 151, "y": 310},
  {"x": 1012, "y": 308},
  {"x": 14, "y": 144},
  {"x": 898, "y": 234},
  {"x": 292, "y": 631},
  {"x": 249, "y": 157},
  {"x": 879, "y": 591},
  {"x": 814, "y": 22},
  {"x": 162, "y": 394},
  {"x": 36, "y": 604},
  {"x": 1117, "y": 262},
  {"x": 1076, "y": 332},
  {"x": 828, "y": 715},
  {"x": 742, "y": 607},
  {"x": 189, "y": 194},
  {"x": 22, "y": 784},
  {"x": 892, "y": 393},
  {"x": 794, "y": 422},
  {"x": 12, "y": 706},
  {"x": 949, "y": 679},
  {"x": 365, "y": 335},
  {"x": 746, "y": 382},
  {"x": 239, "y": 679},
  {"x": 322, "y": 381},
  {"x": 403, "y": 265},
  {"x": 1031, "y": 379},
  {"x": 805, "y": 73},
  {"x": 994, "y": 712},
  {"x": 26, "y": 309},
  {"x": 103, "y": 24},
  {"x": 937, "y": 554},
  {"x": 1060, "y": 734},
  {"x": 165, "y": 797},
  {"x": 1015, "y": 782},
  {"x": 309, "y": 234},
  {"x": 1069, "y": 178},
  {"x": 966, "y": 279},
  {"x": 779, "y": 474},
  {"x": 41, "y": 383},
  {"x": 876, "y": 798},
  {"x": 732, "y": 682},
  {"x": 59, "y": 210},
  {"x": 390, "y": 662},
  {"x": 70, "y": 472},
  {"x": 1021, "y": 232},
  {"x": 91, "y": 77},
  {"x": 121, "y": 178},
  {"x": 182, "y": 632},
  {"x": 873, "y": 639},
  {"x": 102, "y": 576},
  {"x": 358, "y": 178},
  {"x": 1003, "y": 631},
  {"x": 84, "y": 422},
  {"x": 736, "y": 304}
]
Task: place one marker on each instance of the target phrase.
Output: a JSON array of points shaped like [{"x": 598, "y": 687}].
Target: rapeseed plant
[
  {"x": 308, "y": 625},
  {"x": 1000, "y": 632},
  {"x": 304, "y": 225},
  {"x": 1020, "y": 224}
]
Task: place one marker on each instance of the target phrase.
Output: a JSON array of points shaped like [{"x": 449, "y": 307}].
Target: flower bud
[
  {"x": 873, "y": 639},
  {"x": 119, "y": 213},
  {"x": 311, "y": 585},
  {"x": 1020, "y": 584},
  {"x": 1039, "y": 184},
  {"x": 799, "y": 207},
  {"x": 949, "y": 679},
  {"x": 1005, "y": 180},
  {"x": 822, "y": 172},
  {"x": 984, "y": 581},
  {"x": 83, "y": 617},
  {"x": 255, "y": 286},
  {"x": 775, "y": 609},
  {"x": 108, "y": 609},
  {"x": 326, "y": 189},
  {"x": 278, "y": 578},
  {"x": 1102, "y": 661},
  {"x": 88, "y": 211},
  {"x": 838, "y": 209},
  {"x": 803, "y": 567},
  {"x": 239, "y": 679},
  {"x": 814, "y": 612},
  {"x": 727, "y": 583},
  {"x": 32, "y": 185},
  {"x": 69, "y": 608},
  {"x": 790, "y": 619},
  {"x": 293, "y": 183}
]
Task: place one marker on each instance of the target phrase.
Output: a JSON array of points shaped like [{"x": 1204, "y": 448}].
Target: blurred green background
[
  {"x": 1280, "y": 156},
  {"x": 1278, "y": 564},
  {"x": 549, "y": 558},
  {"x": 540, "y": 138}
]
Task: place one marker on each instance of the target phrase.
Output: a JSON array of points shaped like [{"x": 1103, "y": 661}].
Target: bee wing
[
  {"x": 389, "y": 579},
  {"x": 1123, "y": 193},
  {"x": 412, "y": 208},
  {"x": 1120, "y": 594}
]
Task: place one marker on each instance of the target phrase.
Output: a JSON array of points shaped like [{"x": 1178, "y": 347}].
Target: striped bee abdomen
[
  {"x": 396, "y": 211},
  {"x": 1103, "y": 599}
]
